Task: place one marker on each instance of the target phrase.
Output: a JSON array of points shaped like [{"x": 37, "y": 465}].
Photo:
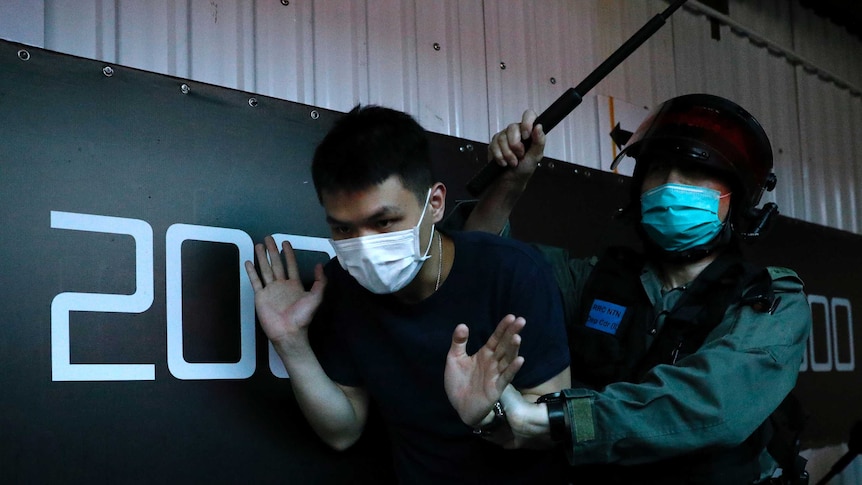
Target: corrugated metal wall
[
  {"x": 468, "y": 67},
  {"x": 757, "y": 79}
]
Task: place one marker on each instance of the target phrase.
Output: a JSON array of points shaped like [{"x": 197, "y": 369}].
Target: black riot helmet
[{"x": 718, "y": 136}]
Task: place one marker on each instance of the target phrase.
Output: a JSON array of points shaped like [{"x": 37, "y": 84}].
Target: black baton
[{"x": 570, "y": 100}]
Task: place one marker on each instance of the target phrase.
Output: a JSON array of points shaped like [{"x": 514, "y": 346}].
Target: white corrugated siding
[
  {"x": 468, "y": 67},
  {"x": 758, "y": 80}
]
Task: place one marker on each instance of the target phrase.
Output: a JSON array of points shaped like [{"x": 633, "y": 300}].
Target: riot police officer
[{"x": 681, "y": 351}]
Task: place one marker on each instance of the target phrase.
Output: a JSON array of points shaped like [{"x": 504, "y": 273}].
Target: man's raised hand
[
  {"x": 475, "y": 382},
  {"x": 284, "y": 308}
]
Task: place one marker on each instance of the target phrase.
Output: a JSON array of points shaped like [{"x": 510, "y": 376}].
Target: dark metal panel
[{"x": 132, "y": 145}]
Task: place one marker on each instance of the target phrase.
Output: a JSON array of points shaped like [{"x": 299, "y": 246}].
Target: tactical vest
[
  {"x": 616, "y": 340},
  {"x": 617, "y": 320}
]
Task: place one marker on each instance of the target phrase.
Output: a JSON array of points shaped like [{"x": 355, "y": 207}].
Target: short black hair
[{"x": 367, "y": 146}]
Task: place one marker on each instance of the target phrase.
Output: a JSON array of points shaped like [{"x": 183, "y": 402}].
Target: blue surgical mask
[{"x": 678, "y": 217}]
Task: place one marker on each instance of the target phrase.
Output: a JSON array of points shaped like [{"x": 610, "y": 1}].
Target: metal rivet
[
  {"x": 551, "y": 165},
  {"x": 185, "y": 89},
  {"x": 252, "y": 102},
  {"x": 314, "y": 114},
  {"x": 285, "y": 2},
  {"x": 553, "y": 80},
  {"x": 503, "y": 65},
  {"x": 436, "y": 46},
  {"x": 23, "y": 55},
  {"x": 108, "y": 71},
  {"x": 466, "y": 148}
]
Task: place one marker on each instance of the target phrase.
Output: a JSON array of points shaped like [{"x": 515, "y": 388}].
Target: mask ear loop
[
  {"x": 426, "y": 255},
  {"x": 726, "y": 220}
]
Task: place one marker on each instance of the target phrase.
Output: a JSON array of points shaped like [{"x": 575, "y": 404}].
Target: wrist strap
[{"x": 558, "y": 419}]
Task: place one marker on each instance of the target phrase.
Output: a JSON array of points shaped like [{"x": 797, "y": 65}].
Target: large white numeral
[
  {"x": 820, "y": 366},
  {"x": 829, "y": 309},
  {"x": 140, "y": 301},
  {"x": 299, "y": 243},
  {"x": 850, "y": 365},
  {"x": 177, "y": 363}
]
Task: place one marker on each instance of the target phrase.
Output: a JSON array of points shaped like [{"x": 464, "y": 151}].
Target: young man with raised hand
[{"x": 386, "y": 308}]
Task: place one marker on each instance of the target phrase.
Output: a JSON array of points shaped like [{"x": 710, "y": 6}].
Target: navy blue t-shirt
[{"x": 397, "y": 353}]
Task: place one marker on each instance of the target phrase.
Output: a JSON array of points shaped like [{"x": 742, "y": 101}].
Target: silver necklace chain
[{"x": 440, "y": 261}]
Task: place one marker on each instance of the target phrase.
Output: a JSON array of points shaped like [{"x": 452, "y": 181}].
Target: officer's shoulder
[
  {"x": 785, "y": 279},
  {"x": 490, "y": 245},
  {"x": 482, "y": 238}
]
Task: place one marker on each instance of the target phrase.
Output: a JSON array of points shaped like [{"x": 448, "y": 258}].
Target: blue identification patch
[{"x": 605, "y": 316}]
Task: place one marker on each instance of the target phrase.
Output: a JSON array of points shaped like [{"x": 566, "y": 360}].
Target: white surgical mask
[{"x": 384, "y": 263}]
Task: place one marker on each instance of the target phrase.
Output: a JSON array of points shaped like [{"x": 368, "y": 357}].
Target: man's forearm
[
  {"x": 532, "y": 424},
  {"x": 528, "y": 421},
  {"x": 336, "y": 417}
]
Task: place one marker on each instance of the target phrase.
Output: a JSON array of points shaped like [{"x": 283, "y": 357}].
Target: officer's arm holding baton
[
  {"x": 529, "y": 421},
  {"x": 507, "y": 149}
]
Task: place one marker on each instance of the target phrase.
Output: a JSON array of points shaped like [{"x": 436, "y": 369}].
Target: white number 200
[{"x": 142, "y": 299}]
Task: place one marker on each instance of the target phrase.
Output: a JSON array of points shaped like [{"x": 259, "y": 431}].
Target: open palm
[
  {"x": 284, "y": 307},
  {"x": 475, "y": 382}
]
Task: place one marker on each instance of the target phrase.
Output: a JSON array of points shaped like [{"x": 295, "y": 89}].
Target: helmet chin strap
[{"x": 761, "y": 217}]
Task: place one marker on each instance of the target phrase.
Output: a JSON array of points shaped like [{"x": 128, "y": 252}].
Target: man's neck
[{"x": 433, "y": 273}]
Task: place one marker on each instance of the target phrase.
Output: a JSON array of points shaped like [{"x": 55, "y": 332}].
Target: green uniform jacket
[{"x": 715, "y": 397}]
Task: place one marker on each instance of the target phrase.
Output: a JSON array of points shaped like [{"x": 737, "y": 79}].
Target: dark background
[{"x": 132, "y": 145}]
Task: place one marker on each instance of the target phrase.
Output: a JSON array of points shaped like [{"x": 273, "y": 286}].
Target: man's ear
[{"x": 437, "y": 201}]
